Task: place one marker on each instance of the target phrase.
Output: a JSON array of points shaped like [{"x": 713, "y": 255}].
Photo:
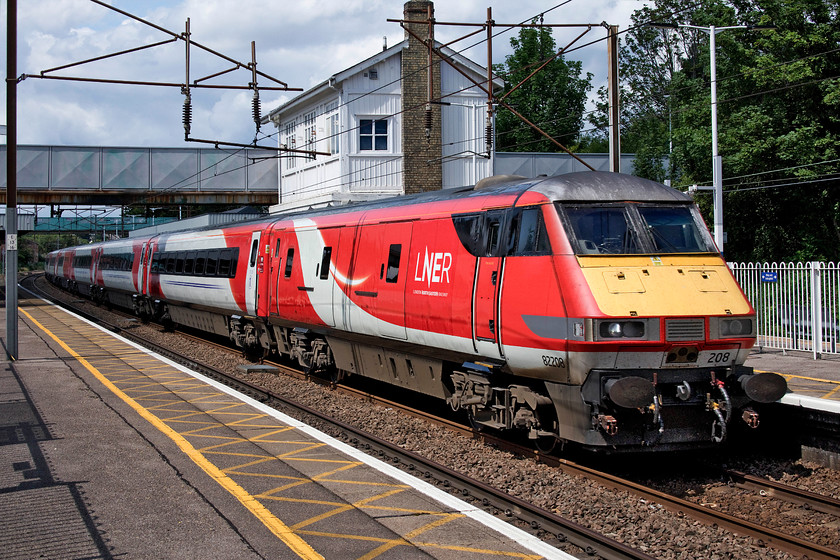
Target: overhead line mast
[
  {"x": 187, "y": 86},
  {"x": 487, "y": 86}
]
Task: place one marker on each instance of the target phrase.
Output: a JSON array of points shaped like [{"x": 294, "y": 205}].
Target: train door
[
  {"x": 487, "y": 282},
  {"x": 94, "y": 266},
  {"x": 380, "y": 272},
  {"x": 343, "y": 267},
  {"x": 137, "y": 267},
  {"x": 316, "y": 254},
  {"x": 145, "y": 267},
  {"x": 255, "y": 265},
  {"x": 278, "y": 247}
]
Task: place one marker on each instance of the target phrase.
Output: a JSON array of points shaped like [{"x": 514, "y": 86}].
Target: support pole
[
  {"x": 11, "y": 183},
  {"x": 717, "y": 165},
  {"x": 613, "y": 89},
  {"x": 489, "y": 131}
]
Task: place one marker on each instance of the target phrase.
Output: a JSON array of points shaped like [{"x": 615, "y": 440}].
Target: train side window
[
  {"x": 468, "y": 228},
  {"x": 394, "y": 253},
  {"x": 224, "y": 263},
  {"x": 234, "y": 261},
  {"x": 170, "y": 263},
  {"x": 290, "y": 259},
  {"x": 212, "y": 263},
  {"x": 254, "y": 251},
  {"x": 200, "y": 260},
  {"x": 179, "y": 262},
  {"x": 494, "y": 232},
  {"x": 156, "y": 262},
  {"x": 189, "y": 263},
  {"x": 277, "y": 249},
  {"x": 531, "y": 235},
  {"x": 325, "y": 263}
]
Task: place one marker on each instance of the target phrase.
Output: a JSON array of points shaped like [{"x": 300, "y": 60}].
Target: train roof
[
  {"x": 588, "y": 186},
  {"x": 583, "y": 186}
]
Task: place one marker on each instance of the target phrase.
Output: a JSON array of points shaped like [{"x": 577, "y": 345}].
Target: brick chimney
[{"x": 421, "y": 128}]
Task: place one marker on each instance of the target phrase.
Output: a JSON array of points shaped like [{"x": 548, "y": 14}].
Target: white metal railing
[{"x": 797, "y": 304}]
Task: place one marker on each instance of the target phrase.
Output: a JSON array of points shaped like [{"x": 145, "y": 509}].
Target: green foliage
[
  {"x": 34, "y": 247},
  {"x": 554, "y": 98},
  {"x": 778, "y": 106}
]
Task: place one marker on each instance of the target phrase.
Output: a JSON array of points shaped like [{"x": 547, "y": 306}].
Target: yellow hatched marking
[
  {"x": 347, "y": 467},
  {"x": 210, "y": 426},
  {"x": 214, "y": 449},
  {"x": 278, "y": 430},
  {"x": 277, "y": 527},
  {"x": 831, "y": 393},
  {"x": 404, "y": 540},
  {"x": 259, "y": 460}
]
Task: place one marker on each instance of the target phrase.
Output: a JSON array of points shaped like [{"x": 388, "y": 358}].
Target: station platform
[
  {"x": 812, "y": 383},
  {"x": 109, "y": 451}
]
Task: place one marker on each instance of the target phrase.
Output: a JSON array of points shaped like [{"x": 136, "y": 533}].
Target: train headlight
[
  {"x": 723, "y": 327},
  {"x": 621, "y": 329}
]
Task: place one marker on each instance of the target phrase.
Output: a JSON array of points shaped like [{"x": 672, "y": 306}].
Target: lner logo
[{"x": 435, "y": 268}]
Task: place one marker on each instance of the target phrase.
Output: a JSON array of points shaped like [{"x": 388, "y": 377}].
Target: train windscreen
[{"x": 632, "y": 229}]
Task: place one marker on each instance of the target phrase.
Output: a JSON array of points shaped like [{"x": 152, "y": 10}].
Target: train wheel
[
  {"x": 545, "y": 444},
  {"x": 548, "y": 422},
  {"x": 477, "y": 418}
]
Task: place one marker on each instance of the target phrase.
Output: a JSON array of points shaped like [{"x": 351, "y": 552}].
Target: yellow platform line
[{"x": 277, "y": 527}]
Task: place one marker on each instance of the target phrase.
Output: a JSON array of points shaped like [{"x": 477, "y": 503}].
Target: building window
[
  {"x": 373, "y": 134},
  {"x": 333, "y": 130},
  {"x": 335, "y": 133},
  {"x": 290, "y": 144},
  {"x": 310, "y": 132}
]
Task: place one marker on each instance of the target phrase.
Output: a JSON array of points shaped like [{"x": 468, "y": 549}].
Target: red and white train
[{"x": 590, "y": 307}]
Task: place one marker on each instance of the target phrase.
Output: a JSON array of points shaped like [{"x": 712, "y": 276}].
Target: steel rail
[
  {"x": 798, "y": 496},
  {"x": 781, "y": 541}
]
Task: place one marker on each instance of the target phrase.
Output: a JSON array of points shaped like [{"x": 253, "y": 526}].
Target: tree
[
  {"x": 554, "y": 99},
  {"x": 777, "y": 105}
]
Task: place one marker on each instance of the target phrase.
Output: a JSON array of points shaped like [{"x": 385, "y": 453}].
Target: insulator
[
  {"x": 488, "y": 137},
  {"x": 255, "y": 106},
  {"x": 187, "y": 116},
  {"x": 428, "y": 121}
]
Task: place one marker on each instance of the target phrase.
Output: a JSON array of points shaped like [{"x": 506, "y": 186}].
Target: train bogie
[{"x": 590, "y": 308}]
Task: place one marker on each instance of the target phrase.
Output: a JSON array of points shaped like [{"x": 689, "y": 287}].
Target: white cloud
[{"x": 301, "y": 43}]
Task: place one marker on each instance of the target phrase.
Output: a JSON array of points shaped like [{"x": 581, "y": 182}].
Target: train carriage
[{"x": 591, "y": 307}]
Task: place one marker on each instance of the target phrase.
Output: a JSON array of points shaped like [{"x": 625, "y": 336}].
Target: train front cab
[{"x": 656, "y": 348}]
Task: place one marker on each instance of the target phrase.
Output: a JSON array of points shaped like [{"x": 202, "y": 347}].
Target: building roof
[{"x": 333, "y": 81}]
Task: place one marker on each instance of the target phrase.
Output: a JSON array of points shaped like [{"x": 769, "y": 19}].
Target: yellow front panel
[{"x": 662, "y": 286}]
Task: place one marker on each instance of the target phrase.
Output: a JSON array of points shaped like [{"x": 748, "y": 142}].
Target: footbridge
[{"x": 107, "y": 176}]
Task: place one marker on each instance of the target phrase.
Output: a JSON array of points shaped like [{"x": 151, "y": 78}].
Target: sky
[{"x": 301, "y": 43}]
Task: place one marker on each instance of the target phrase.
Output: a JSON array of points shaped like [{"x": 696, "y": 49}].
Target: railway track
[
  {"x": 553, "y": 528},
  {"x": 544, "y": 523},
  {"x": 804, "y": 498}
]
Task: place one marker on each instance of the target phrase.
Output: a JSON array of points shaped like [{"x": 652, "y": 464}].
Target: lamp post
[
  {"x": 717, "y": 165},
  {"x": 11, "y": 182}
]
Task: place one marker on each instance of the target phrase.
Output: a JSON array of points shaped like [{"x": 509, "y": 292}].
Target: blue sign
[{"x": 769, "y": 276}]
